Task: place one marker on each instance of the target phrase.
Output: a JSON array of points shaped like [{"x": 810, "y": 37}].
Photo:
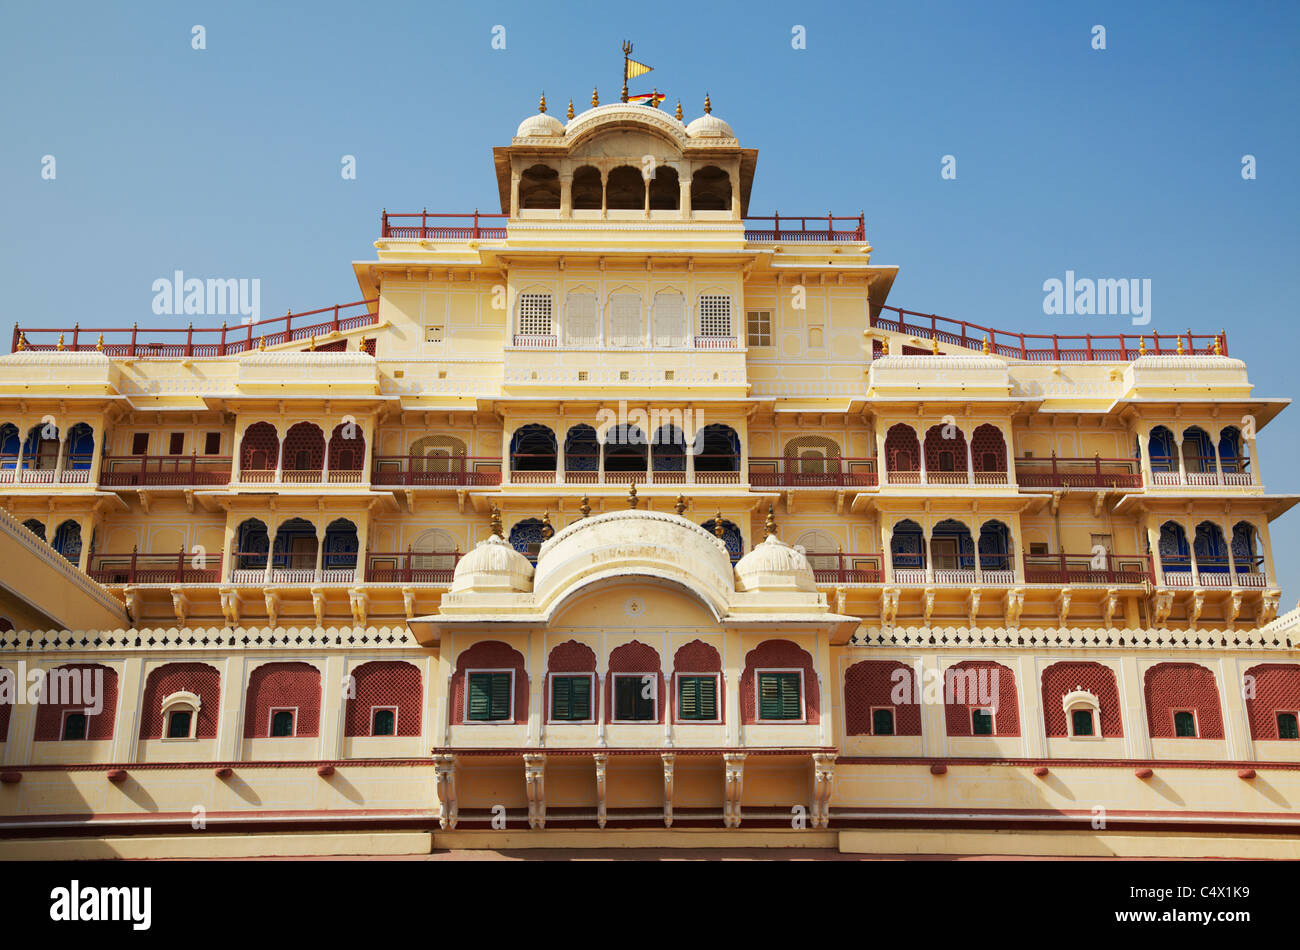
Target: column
[
  {"x": 320, "y": 551},
  {"x": 58, "y": 460},
  {"x": 1266, "y": 548},
  {"x": 279, "y": 454},
  {"x": 1218, "y": 462},
  {"x": 514, "y": 195},
  {"x": 98, "y": 436},
  {"x": 1236, "y": 726},
  {"x": 270, "y": 549},
  {"x": 886, "y": 552},
  {"x": 566, "y": 195},
  {"x": 970, "y": 460},
  {"x": 1137, "y": 733},
  {"x": 333, "y": 703},
  {"x": 975, "y": 543},
  {"x": 1011, "y": 458},
  {"x": 535, "y": 652},
  {"x": 929, "y": 555},
  {"x": 368, "y": 434},
  {"x": 235, "y": 447},
  {"x": 363, "y": 546},
  {"x": 325, "y": 462},
  {"x": 1031, "y": 704},
  {"x": 934, "y": 727},
  {"x": 1144, "y": 453},
  {"x": 230, "y": 723},
  {"x": 1153, "y": 543},
  {"x": 921, "y": 452},
  {"x": 1191, "y": 550},
  {"x": 126, "y": 725},
  {"x": 228, "y": 548},
  {"x": 685, "y": 184},
  {"x": 1256, "y": 477}
]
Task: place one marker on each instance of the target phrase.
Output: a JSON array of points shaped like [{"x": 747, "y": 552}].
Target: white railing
[
  {"x": 948, "y": 575},
  {"x": 248, "y": 575},
  {"x": 909, "y": 575},
  {"x": 534, "y": 342},
  {"x": 1178, "y": 579},
  {"x": 1166, "y": 478},
  {"x": 345, "y": 477},
  {"x": 38, "y": 476},
  {"x": 715, "y": 342},
  {"x": 1250, "y": 579},
  {"x": 999, "y": 578},
  {"x": 294, "y": 575},
  {"x": 80, "y": 476}
]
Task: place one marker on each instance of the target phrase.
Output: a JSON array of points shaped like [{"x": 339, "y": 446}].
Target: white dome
[
  {"x": 493, "y": 565},
  {"x": 774, "y": 565},
  {"x": 709, "y": 126},
  {"x": 539, "y": 124}
]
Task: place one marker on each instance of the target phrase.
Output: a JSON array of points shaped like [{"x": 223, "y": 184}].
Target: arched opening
[
  {"x": 989, "y": 455},
  {"x": 1211, "y": 553},
  {"x": 251, "y": 546},
  {"x": 434, "y": 558},
  {"x": 902, "y": 455},
  {"x": 67, "y": 540},
  {"x": 625, "y": 451},
  {"x": 668, "y": 454},
  {"x": 995, "y": 550},
  {"x": 952, "y": 551},
  {"x": 438, "y": 455},
  {"x": 581, "y": 455},
  {"x": 526, "y": 537},
  {"x": 293, "y": 556},
  {"x": 625, "y": 190},
  {"x": 339, "y": 559},
  {"x": 304, "y": 453},
  {"x": 539, "y": 187},
  {"x": 532, "y": 449},
  {"x": 907, "y": 551},
  {"x": 1232, "y": 457},
  {"x": 35, "y": 527},
  {"x": 1175, "y": 555},
  {"x": 347, "y": 453},
  {"x": 80, "y": 451},
  {"x": 1160, "y": 446},
  {"x": 719, "y": 449},
  {"x": 731, "y": 537},
  {"x": 710, "y": 189},
  {"x": 670, "y": 319},
  {"x": 809, "y": 458},
  {"x": 1198, "y": 455},
  {"x": 1247, "y": 561},
  {"x": 586, "y": 189},
  {"x": 945, "y": 455},
  {"x": 821, "y": 550},
  {"x": 665, "y": 189},
  {"x": 11, "y": 448},
  {"x": 41, "y": 448},
  {"x": 259, "y": 452}
]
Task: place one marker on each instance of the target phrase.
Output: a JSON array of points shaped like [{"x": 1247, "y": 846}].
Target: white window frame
[
  {"x": 803, "y": 696},
  {"x": 464, "y": 712},
  {"x": 765, "y": 319},
  {"x": 654, "y": 676},
  {"x": 526, "y": 298},
  {"x": 1196, "y": 721},
  {"x": 63, "y": 724},
  {"x": 701, "y": 306},
  {"x": 872, "y": 714},
  {"x": 993, "y": 718},
  {"x": 270, "y": 721},
  {"x": 717, "y": 692},
  {"x": 188, "y": 702},
  {"x": 1285, "y": 712},
  {"x": 376, "y": 708},
  {"x": 550, "y": 705}
]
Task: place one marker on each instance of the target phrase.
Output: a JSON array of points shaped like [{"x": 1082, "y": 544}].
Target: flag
[
  {"x": 635, "y": 69},
  {"x": 648, "y": 98}
]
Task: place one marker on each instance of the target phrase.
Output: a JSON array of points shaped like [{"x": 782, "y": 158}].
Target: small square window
[
  {"x": 882, "y": 722},
  {"x": 1287, "y": 726},
  {"x": 634, "y": 697},
  {"x": 758, "y": 327},
  {"x": 981, "y": 722},
  {"x": 74, "y": 725},
  {"x": 178, "y": 724},
  {"x": 697, "y": 698},
  {"x": 490, "y": 696},
  {"x": 1081, "y": 723},
  {"x": 383, "y": 722},
  {"x": 780, "y": 696},
  {"x": 140, "y": 443},
  {"x": 1038, "y": 549},
  {"x": 281, "y": 723},
  {"x": 815, "y": 338},
  {"x": 433, "y": 334},
  {"x": 176, "y": 443},
  {"x": 212, "y": 443},
  {"x": 1185, "y": 724}
]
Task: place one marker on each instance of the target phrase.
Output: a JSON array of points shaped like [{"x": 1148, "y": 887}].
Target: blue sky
[{"x": 1117, "y": 163}]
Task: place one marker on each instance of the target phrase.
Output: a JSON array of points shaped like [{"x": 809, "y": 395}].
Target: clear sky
[{"x": 1118, "y": 163}]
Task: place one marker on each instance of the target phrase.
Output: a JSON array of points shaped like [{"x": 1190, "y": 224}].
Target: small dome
[
  {"x": 774, "y": 565},
  {"x": 493, "y": 565},
  {"x": 539, "y": 124},
  {"x": 709, "y": 126}
]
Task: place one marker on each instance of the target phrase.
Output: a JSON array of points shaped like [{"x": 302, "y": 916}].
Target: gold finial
[
  {"x": 632, "y": 500},
  {"x": 99, "y": 344},
  {"x": 595, "y": 97},
  {"x": 1180, "y": 346},
  {"x": 884, "y": 346},
  {"x": 654, "y": 100},
  {"x": 547, "y": 530},
  {"x": 1218, "y": 350},
  {"x": 541, "y": 106},
  {"x": 934, "y": 346},
  {"x": 1142, "y": 346},
  {"x": 60, "y": 346},
  {"x": 717, "y": 524},
  {"x": 312, "y": 345},
  {"x": 570, "y": 109},
  {"x": 986, "y": 346},
  {"x": 679, "y": 110},
  {"x": 680, "y": 507},
  {"x": 496, "y": 521},
  {"x": 22, "y": 342},
  {"x": 770, "y": 524},
  {"x": 708, "y": 106},
  {"x": 584, "y": 507},
  {"x": 261, "y": 342}
]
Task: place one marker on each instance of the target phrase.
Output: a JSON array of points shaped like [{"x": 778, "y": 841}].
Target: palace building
[{"x": 624, "y": 516}]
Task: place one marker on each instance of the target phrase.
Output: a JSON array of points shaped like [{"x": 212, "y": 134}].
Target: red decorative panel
[
  {"x": 260, "y": 448},
  {"x": 385, "y": 683},
  {"x": 347, "y": 454},
  {"x": 489, "y": 655},
  {"x": 902, "y": 450},
  {"x": 281, "y": 686},
  {"x": 635, "y": 657},
  {"x": 304, "y": 448},
  {"x": 936, "y": 444},
  {"x": 49, "y": 717},
  {"x": 198, "y": 678},
  {"x": 1276, "y": 689},
  {"x": 988, "y": 445},
  {"x": 1098, "y": 679},
  {"x": 572, "y": 657},
  {"x": 973, "y": 684},
  {"x": 338, "y": 346},
  {"x": 874, "y": 683},
  {"x": 699, "y": 657},
  {"x": 778, "y": 654},
  {"x": 1174, "y": 686},
  {"x": 368, "y": 345}
]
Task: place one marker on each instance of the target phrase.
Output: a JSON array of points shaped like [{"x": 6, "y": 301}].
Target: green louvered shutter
[
  {"x": 561, "y": 698},
  {"x": 778, "y": 696},
  {"x": 480, "y": 692},
  {"x": 708, "y": 687},
  {"x": 580, "y": 687},
  {"x": 500, "y": 696},
  {"x": 697, "y": 698}
]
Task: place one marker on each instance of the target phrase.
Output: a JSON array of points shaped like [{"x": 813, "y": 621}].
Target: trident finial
[
  {"x": 584, "y": 507},
  {"x": 1180, "y": 346},
  {"x": 680, "y": 507},
  {"x": 22, "y": 342},
  {"x": 496, "y": 521},
  {"x": 1218, "y": 350},
  {"x": 632, "y": 500},
  {"x": 547, "y": 530},
  {"x": 884, "y": 346},
  {"x": 770, "y": 524}
]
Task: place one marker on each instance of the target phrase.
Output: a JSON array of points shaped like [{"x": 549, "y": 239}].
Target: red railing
[
  {"x": 183, "y": 567},
  {"x": 203, "y": 341},
  {"x": 412, "y": 567},
  {"x": 805, "y": 228},
  {"x": 416, "y": 226},
  {"x": 794, "y": 472},
  {"x": 146, "y": 470},
  {"x": 1095, "y": 472},
  {"x": 1087, "y": 569},
  {"x": 845, "y": 568},
  {"x": 1044, "y": 347},
  {"x": 424, "y": 470}
]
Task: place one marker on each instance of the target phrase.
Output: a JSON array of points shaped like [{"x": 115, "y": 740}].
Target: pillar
[{"x": 333, "y": 705}]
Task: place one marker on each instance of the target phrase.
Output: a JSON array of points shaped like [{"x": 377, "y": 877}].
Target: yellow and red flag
[{"x": 649, "y": 98}]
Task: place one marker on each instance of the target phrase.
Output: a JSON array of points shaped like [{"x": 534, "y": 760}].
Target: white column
[
  {"x": 1182, "y": 463},
  {"x": 921, "y": 453},
  {"x": 1191, "y": 549},
  {"x": 970, "y": 460},
  {"x": 929, "y": 554}
]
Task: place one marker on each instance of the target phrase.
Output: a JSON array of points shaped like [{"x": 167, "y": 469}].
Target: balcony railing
[
  {"x": 794, "y": 472},
  {"x": 1087, "y": 569},
  {"x": 143, "y": 471},
  {"x": 180, "y": 568},
  {"x": 41, "y": 471},
  {"x": 845, "y": 568},
  {"x": 963, "y": 477},
  {"x": 412, "y": 567},
  {"x": 549, "y": 341},
  {"x": 1095, "y": 472},
  {"x": 459, "y": 470},
  {"x": 250, "y": 569},
  {"x": 1199, "y": 471},
  {"x": 300, "y": 476},
  {"x": 200, "y": 341},
  {"x": 1045, "y": 347},
  {"x": 715, "y": 342},
  {"x": 717, "y": 469},
  {"x": 795, "y": 228},
  {"x": 1219, "y": 571}
]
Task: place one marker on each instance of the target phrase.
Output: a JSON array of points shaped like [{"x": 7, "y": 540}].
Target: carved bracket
[
  {"x": 535, "y": 780},
  {"x": 602, "y": 761},
  {"x": 734, "y": 788},
  {"x": 823, "y": 775},
  {"x": 1013, "y": 602},
  {"x": 669, "y": 762},
  {"x": 444, "y": 771}
]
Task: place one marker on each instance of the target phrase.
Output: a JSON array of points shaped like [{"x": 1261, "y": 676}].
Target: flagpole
[{"x": 627, "y": 51}]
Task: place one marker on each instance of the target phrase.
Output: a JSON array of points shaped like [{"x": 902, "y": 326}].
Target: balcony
[
  {"x": 291, "y": 570},
  {"x": 897, "y": 477},
  {"x": 1182, "y": 571},
  {"x": 179, "y": 568},
  {"x": 795, "y": 472},
  {"x": 963, "y": 576},
  {"x": 845, "y": 568},
  {"x": 43, "y": 471},
  {"x": 1095, "y": 472},
  {"x": 148, "y": 471},
  {"x": 708, "y": 469},
  {"x": 1063, "y": 569},
  {"x": 419, "y": 470},
  {"x": 412, "y": 567},
  {"x": 300, "y": 476},
  {"x": 1200, "y": 471}
]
